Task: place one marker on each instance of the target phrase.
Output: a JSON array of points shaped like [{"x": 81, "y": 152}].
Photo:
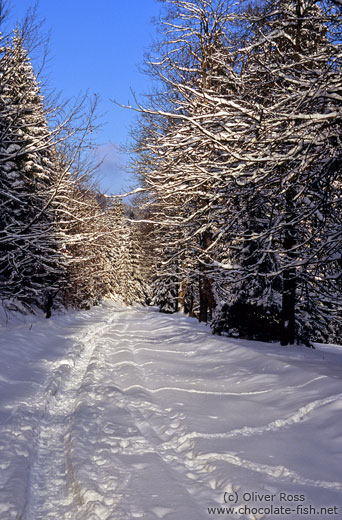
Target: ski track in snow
[
  {"x": 52, "y": 439},
  {"x": 122, "y": 430}
]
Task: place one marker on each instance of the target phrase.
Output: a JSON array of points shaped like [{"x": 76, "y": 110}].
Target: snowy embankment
[{"x": 118, "y": 413}]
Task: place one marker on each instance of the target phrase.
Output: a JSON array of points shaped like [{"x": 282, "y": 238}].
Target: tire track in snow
[{"x": 52, "y": 486}]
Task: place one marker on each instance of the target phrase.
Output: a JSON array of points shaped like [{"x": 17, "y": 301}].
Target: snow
[{"x": 122, "y": 413}]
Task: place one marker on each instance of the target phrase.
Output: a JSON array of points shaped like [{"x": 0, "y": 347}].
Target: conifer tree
[
  {"x": 60, "y": 240},
  {"x": 31, "y": 263}
]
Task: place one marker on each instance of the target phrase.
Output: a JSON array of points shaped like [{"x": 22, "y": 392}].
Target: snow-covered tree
[
  {"x": 56, "y": 239},
  {"x": 61, "y": 241},
  {"x": 241, "y": 153},
  {"x": 31, "y": 263},
  {"x": 293, "y": 65},
  {"x": 176, "y": 156}
]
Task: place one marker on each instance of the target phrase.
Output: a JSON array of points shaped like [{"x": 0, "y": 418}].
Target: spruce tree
[{"x": 31, "y": 264}]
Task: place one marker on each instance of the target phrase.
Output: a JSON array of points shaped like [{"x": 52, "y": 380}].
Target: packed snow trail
[{"x": 121, "y": 413}]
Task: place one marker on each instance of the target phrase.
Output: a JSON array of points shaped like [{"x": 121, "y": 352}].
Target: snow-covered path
[{"x": 118, "y": 413}]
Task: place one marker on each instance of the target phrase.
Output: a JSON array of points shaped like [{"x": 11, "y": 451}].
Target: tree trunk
[
  {"x": 288, "y": 307},
  {"x": 49, "y": 304},
  {"x": 207, "y": 301},
  {"x": 289, "y": 274},
  {"x": 206, "y": 297}
]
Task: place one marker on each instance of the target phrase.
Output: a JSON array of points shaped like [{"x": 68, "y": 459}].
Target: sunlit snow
[{"x": 122, "y": 413}]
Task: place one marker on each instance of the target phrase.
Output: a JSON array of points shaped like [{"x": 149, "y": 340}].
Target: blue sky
[{"x": 98, "y": 46}]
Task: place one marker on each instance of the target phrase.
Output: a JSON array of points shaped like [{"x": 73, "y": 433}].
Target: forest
[{"x": 237, "y": 152}]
